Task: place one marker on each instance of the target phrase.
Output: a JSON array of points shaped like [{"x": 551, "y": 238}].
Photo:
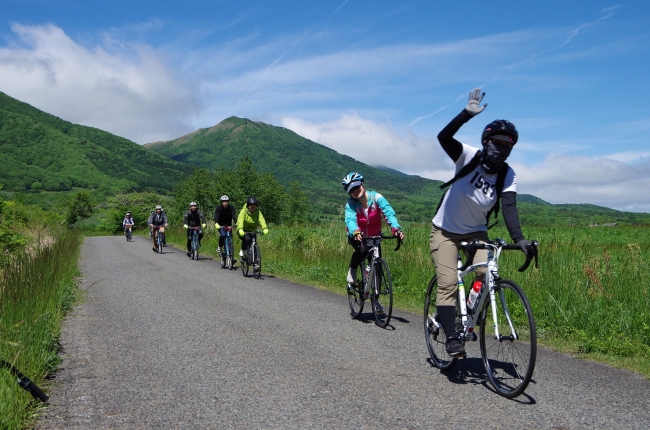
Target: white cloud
[
  {"x": 126, "y": 89},
  {"x": 606, "y": 181},
  {"x": 375, "y": 144}
]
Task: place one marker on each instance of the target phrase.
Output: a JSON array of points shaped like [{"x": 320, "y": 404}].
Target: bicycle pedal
[{"x": 472, "y": 337}]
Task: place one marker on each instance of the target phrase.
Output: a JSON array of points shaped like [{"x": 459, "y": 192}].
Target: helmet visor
[{"x": 351, "y": 185}]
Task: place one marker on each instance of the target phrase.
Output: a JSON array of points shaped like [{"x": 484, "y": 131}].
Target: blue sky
[{"x": 376, "y": 80}]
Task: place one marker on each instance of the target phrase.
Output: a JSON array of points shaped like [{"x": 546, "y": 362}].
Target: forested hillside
[
  {"x": 319, "y": 170},
  {"x": 291, "y": 157},
  {"x": 43, "y": 152}
]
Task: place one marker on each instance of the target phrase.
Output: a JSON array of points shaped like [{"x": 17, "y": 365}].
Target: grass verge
[{"x": 36, "y": 290}]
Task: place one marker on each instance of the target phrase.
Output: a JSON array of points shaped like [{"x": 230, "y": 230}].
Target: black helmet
[
  {"x": 251, "y": 201},
  {"x": 502, "y": 128}
]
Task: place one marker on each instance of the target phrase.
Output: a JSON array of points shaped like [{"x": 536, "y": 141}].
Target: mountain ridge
[{"x": 42, "y": 151}]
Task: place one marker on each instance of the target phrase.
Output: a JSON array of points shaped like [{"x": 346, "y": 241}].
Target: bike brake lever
[{"x": 533, "y": 247}]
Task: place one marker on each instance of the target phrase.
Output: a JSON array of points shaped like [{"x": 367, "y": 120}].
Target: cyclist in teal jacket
[{"x": 363, "y": 214}]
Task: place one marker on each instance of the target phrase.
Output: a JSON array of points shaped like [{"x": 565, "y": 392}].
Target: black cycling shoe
[
  {"x": 454, "y": 347},
  {"x": 189, "y": 254}
]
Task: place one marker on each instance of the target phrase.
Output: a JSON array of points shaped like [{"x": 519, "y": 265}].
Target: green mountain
[
  {"x": 291, "y": 157},
  {"x": 43, "y": 152},
  {"x": 319, "y": 170}
]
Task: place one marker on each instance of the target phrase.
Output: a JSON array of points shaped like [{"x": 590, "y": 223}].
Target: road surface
[{"x": 166, "y": 342}]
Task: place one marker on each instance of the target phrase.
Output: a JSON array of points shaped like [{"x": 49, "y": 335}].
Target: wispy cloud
[
  {"x": 293, "y": 45},
  {"x": 606, "y": 13}
]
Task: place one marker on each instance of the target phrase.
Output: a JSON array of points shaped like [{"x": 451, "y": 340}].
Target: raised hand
[{"x": 474, "y": 103}]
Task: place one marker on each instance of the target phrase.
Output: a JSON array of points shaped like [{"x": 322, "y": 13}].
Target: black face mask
[{"x": 493, "y": 157}]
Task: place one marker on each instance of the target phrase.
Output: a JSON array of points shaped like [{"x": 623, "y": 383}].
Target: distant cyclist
[
  {"x": 249, "y": 219},
  {"x": 127, "y": 222},
  {"x": 363, "y": 213},
  {"x": 482, "y": 179},
  {"x": 158, "y": 218},
  {"x": 224, "y": 215},
  {"x": 193, "y": 218}
]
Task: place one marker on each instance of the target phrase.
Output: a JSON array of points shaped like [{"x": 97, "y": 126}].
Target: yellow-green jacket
[{"x": 248, "y": 221}]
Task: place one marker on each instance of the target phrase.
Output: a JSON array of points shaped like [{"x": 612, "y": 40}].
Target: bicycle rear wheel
[
  {"x": 381, "y": 289},
  {"x": 257, "y": 262},
  {"x": 435, "y": 335},
  {"x": 509, "y": 360},
  {"x": 355, "y": 293}
]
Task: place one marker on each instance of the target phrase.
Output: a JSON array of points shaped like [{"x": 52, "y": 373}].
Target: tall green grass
[
  {"x": 36, "y": 289},
  {"x": 591, "y": 286}
]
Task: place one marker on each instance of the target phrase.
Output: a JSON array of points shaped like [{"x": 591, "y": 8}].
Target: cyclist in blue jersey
[{"x": 363, "y": 214}]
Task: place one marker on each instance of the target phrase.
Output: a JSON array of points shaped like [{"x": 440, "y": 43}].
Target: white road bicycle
[{"x": 502, "y": 313}]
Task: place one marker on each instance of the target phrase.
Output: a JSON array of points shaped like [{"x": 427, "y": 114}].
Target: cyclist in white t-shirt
[{"x": 482, "y": 179}]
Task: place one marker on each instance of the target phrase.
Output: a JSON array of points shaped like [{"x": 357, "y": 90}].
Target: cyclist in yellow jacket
[{"x": 247, "y": 222}]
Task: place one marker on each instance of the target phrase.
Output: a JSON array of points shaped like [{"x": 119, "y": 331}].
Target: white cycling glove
[{"x": 474, "y": 103}]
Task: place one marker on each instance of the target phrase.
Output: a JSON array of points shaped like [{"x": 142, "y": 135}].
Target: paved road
[{"x": 165, "y": 342}]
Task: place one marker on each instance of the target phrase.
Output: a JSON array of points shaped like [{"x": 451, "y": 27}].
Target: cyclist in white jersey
[{"x": 463, "y": 212}]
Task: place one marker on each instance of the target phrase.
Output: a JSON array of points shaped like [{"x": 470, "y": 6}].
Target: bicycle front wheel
[
  {"x": 230, "y": 251},
  {"x": 509, "y": 359},
  {"x": 160, "y": 243},
  {"x": 381, "y": 288},
  {"x": 245, "y": 265},
  {"x": 435, "y": 335},
  {"x": 356, "y": 294},
  {"x": 195, "y": 248},
  {"x": 257, "y": 262}
]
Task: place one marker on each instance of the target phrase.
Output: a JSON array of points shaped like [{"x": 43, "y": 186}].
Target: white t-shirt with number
[{"x": 467, "y": 202}]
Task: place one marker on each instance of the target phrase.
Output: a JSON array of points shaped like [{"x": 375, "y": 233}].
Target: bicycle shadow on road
[
  {"x": 261, "y": 278},
  {"x": 369, "y": 318},
  {"x": 471, "y": 371}
]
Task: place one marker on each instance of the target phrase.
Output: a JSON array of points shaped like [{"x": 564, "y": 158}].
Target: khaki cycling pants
[{"x": 444, "y": 253}]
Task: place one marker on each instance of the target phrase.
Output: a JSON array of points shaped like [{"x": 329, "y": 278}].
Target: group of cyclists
[
  {"x": 483, "y": 182},
  {"x": 250, "y": 219}
]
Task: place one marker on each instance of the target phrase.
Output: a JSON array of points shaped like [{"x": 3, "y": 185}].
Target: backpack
[{"x": 466, "y": 170}]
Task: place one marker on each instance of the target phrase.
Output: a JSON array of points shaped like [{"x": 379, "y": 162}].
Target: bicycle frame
[
  {"x": 491, "y": 276},
  {"x": 157, "y": 234},
  {"x": 195, "y": 237},
  {"x": 374, "y": 253},
  {"x": 251, "y": 247},
  {"x": 227, "y": 242}
]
